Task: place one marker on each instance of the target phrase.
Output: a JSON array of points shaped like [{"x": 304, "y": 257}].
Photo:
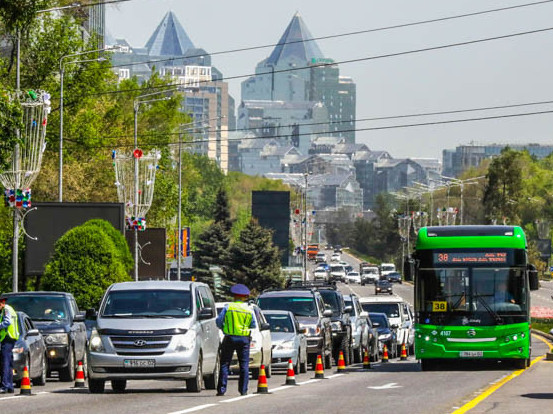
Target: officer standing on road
[
  {"x": 236, "y": 319},
  {"x": 9, "y": 334}
]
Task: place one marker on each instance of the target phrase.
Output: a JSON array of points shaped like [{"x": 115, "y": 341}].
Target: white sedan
[
  {"x": 353, "y": 277},
  {"x": 335, "y": 257}
]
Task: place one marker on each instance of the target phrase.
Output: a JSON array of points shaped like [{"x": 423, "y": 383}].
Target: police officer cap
[{"x": 240, "y": 290}]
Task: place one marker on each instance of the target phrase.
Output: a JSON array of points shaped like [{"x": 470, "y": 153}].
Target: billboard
[
  {"x": 50, "y": 221},
  {"x": 153, "y": 242},
  {"x": 272, "y": 211}
]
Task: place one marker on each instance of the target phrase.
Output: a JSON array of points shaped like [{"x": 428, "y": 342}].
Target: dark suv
[
  {"x": 56, "y": 316},
  {"x": 340, "y": 319},
  {"x": 309, "y": 308}
]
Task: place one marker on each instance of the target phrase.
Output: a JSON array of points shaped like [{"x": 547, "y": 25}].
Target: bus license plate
[
  {"x": 471, "y": 354},
  {"x": 139, "y": 363}
]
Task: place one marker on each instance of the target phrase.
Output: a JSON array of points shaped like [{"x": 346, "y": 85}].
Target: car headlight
[
  {"x": 95, "y": 342},
  {"x": 384, "y": 337},
  {"x": 286, "y": 345},
  {"x": 312, "y": 330},
  {"x": 185, "y": 342},
  {"x": 18, "y": 350},
  {"x": 337, "y": 326},
  {"x": 57, "y": 339}
]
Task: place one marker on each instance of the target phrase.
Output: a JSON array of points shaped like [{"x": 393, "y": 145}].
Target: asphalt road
[{"x": 398, "y": 387}]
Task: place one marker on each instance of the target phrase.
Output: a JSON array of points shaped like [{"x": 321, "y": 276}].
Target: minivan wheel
[
  {"x": 67, "y": 374},
  {"x": 119, "y": 386},
  {"x": 96, "y": 386},
  {"x": 212, "y": 380},
  {"x": 195, "y": 384}
]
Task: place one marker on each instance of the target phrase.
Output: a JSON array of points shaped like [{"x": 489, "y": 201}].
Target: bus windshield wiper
[{"x": 495, "y": 315}]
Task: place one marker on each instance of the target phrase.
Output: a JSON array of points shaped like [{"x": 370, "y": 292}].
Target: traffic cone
[
  {"x": 341, "y": 362},
  {"x": 79, "y": 376},
  {"x": 262, "y": 387},
  {"x": 319, "y": 370},
  {"x": 290, "y": 376},
  {"x": 366, "y": 361},
  {"x": 403, "y": 356},
  {"x": 385, "y": 354},
  {"x": 25, "y": 382}
]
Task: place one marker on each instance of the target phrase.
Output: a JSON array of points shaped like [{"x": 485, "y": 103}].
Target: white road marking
[
  {"x": 386, "y": 387},
  {"x": 308, "y": 381},
  {"x": 280, "y": 388},
  {"x": 242, "y": 397},
  {"x": 191, "y": 410},
  {"x": 335, "y": 375},
  {"x": 13, "y": 397}
]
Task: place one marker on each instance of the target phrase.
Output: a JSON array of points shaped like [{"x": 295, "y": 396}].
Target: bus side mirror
[
  {"x": 408, "y": 268},
  {"x": 533, "y": 277}
]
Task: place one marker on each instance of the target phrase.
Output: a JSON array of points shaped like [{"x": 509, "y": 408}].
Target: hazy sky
[{"x": 502, "y": 72}]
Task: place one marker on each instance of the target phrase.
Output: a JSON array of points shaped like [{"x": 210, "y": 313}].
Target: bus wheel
[{"x": 521, "y": 363}]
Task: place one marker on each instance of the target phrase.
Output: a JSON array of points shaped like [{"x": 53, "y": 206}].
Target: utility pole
[{"x": 305, "y": 175}]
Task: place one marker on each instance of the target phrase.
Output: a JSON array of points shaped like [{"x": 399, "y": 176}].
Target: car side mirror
[
  {"x": 79, "y": 317},
  {"x": 327, "y": 313},
  {"x": 348, "y": 309},
  {"x": 395, "y": 326},
  {"x": 376, "y": 324},
  {"x": 264, "y": 327},
  {"x": 533, "y": 277},
  {"x": 91, "y": 314},
  {"x": 205, "y": 313},
  {"x": 33, "y": 332},
  {"x": 364, "y": 314}
]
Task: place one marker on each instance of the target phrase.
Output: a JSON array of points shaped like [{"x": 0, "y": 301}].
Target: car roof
[
  {"x": 377, "y": 299},
  {"x": 290, "y": 292},
  {"x": 40, "y": 293},
  {"x": 154, "y": 284}
]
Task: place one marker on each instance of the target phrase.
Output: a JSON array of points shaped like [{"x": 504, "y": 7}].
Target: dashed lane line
[
  {"x": 309, "y": 381},
  {"x": 191, "y": 410},
  {"x": 242, "y": 397}
]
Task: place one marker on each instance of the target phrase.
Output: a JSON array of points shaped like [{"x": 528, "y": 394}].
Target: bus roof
[{"x": 448, "y": 237}]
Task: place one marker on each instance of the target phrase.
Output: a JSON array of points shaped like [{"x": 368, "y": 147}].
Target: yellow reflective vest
[
  {"x": 238, "y": 319},
  {"x": 13, "y": 329}
]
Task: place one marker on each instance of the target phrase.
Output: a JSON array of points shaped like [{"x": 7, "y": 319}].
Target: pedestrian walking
[
  {"x": 236, "y": 320},
  {"x": 9, "y": 334}
]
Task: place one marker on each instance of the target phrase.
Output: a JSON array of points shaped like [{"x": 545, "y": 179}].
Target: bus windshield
[{"x": 486, "y": 291}]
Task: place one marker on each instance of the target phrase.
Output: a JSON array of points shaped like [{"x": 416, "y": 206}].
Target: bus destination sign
[{"x": 470, "y": 257}]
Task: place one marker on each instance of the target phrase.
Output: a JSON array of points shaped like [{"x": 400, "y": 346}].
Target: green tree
[
  {"x": 85, "y": 263},
  {"x": 254, "y": 260},
  {"x": 212, "y": 249},
  {"x": 222, "y": 209},
  {"x": 10, "y": 121},
  {"x": 121, "y": 245},
  {"x": 503, "y": 191}
]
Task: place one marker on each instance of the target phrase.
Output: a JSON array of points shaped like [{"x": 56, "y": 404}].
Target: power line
[
  {"x": 363, "y": 59},
  {"x": 200, "y": 141},
  {"x": 81, "y": 6},
  {"x": 358, "y": 32}
]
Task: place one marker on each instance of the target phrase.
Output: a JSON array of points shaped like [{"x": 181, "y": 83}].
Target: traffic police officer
[
  {"x": 9, "y": 333},
  {"x": 236, "y": 319}
]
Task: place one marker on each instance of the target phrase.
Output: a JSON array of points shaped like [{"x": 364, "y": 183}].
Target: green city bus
[{"x": 472, "y": 294}]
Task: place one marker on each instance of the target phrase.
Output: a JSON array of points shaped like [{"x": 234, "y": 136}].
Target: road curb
[{"x": 543, "y": 335}]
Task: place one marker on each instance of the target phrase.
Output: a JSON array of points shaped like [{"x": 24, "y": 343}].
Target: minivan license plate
[
  {"x": 471, "y": 354},
  {"x": 139, "y": 363}
]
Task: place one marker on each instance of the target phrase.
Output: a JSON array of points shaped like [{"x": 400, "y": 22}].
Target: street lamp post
[
  {"x": 62, "y": 73},
  {"x": 305, "y": 175},
  {"x": 461, "y": 184}
]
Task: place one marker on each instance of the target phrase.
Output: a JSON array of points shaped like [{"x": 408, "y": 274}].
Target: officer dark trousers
[
  {"x": 7, "y": 363},
  {"x": 240, "y": 344}
]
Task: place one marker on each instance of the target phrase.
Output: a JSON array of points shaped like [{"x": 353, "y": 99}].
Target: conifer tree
[{"x": 212, "y": 249}]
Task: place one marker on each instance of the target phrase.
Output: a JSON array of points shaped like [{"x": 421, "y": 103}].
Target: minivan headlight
[
  {"x": 312, "y": 330},
  {"x": 95, "y": 342},
  {"x": 57, "y": 339},
  {"x": 185, "y": 342}
]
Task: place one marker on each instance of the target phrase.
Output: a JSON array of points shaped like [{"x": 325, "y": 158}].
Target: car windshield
[
  {"x": 390, "y": 309},
  {"x": 147, "y": 304},
  {"x": 383, "y": 283},
  {"x": 41, "y": 308},
  {"x": 387, "y": 268},
  {"x": 380, "y": 319},
  {"x": 280, "y": 323},
  {"x": 337, "y": 268},
  {"x": 331, "y": 301},
  {"x": 298, "y": 305}
]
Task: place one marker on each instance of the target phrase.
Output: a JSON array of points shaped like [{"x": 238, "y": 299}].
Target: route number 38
[{"x": 439, "y": 306}]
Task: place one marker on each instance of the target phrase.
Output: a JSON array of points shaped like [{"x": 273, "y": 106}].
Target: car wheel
[
  {"x": 212, "y": 380},
  {"x": 268, "y": 369},
  {"x": 119, "y": 386},
  {"x": 328, "y": 360},
  {"x": 358, "y": 355},
  {"x": 195, "y": 384},
  {"x": 298, "y": 363},
  {"x": 96, "y": 386},
  {"x": 41, "y": 379},
  {"x": 67, "y": 374},
  {"x": 303, "y": 366}
]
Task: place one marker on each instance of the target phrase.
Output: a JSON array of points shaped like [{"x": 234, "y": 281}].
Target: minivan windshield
[
  {"x": 298, "y": 305},
  {"x": 147, "y": 304},
  {"x": 40, "y": 307}
]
